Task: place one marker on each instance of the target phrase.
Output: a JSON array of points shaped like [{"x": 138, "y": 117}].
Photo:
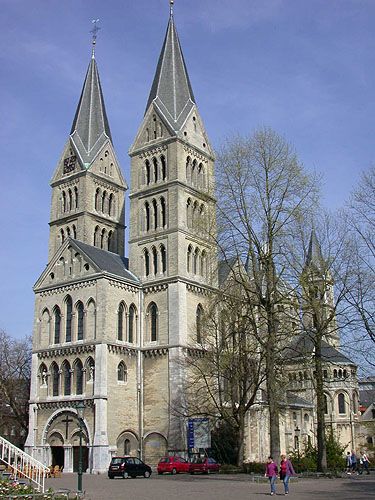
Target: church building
[{"x": 109, "y": 331}]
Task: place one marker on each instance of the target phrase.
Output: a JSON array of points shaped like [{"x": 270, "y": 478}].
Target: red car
[
  {"x": 174, "y": 465},
  {"x": 204, "y": 466}
]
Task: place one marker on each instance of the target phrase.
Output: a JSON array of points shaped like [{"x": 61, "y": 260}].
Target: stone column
[{"x": 100, "y": 444}]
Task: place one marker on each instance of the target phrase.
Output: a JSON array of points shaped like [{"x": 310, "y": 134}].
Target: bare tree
[
  {"x": 263, "y": 191},
  {"x": 226, "y": 366},
  {"x": 361, "y": 217},
  {"x": 15, "y": 372}
]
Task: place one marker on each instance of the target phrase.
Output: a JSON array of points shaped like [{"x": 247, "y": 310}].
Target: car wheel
[
  {"x": 160, "y": 473},
  {"x": 174, "y": 471},
  {"x": 191, "y": 472},
  {"x": 146, "y": 474},
  {"x": 125, "y": 475},
  {"x": 110, "y": 476}
]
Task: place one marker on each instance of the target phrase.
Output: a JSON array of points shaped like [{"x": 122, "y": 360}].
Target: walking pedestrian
[
  {"x": 365, "y": 461},
  {"x": 286, "y": 470},
  {"x": 353, "y": 458},
  {"x": 348, "y": 463},
  {"x": 271, "y": 473}
]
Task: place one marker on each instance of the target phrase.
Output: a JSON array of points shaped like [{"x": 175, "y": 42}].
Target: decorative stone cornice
[
  {"x": 65, "y": 351},
  {"x": 98, "y": 181},
  {"x": 68, "y": 404},
  {"x": 68, "y": 183},
  {"x": 54, "y": 290},
  {"x": 194, "y": 152},
  {"x": 200, "y": 290},
  {"x": 155, "y": 352},
  {"x": 153, "y": 151},
  {"x": 155, "y": 288},
  {"x": 194, "y": 352},
  {"x": 121, "y": 349},
  {"x": 123, "y": 286}
]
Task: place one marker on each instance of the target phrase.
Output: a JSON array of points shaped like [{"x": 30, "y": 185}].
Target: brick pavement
[{"x": 214, "y": 487}]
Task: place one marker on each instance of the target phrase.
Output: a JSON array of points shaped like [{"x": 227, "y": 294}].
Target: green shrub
[{"x": 254, "y": 467}]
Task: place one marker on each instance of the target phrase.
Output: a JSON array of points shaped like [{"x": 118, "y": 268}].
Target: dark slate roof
[
  {"x": 225, "y": 267},
  {"x": 90, "y": 129},
  {"x": 302, "y": 345},
  {"x": 107, "y": 261},
  {"x": 366, "y": 397},
  {"x": 294, "y": 400},
  {"x": 171, "y": 90},
  {"x": 314, "y": 254}
]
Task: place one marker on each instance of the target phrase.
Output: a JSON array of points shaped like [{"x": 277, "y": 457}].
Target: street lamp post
[
  {"x": 297, "y": 433},
  {"x": 80, "y": 411}
]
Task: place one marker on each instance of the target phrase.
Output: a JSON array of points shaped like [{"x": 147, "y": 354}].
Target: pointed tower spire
[
  {"x": 171, "y": 90},
  {"x": 314, "y": 254},
  {"x": 90, "y": 129}
]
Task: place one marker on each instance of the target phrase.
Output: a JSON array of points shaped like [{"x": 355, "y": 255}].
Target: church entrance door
[
  {"x": 57, "y": 455},
  {"x": 85, "y": 458}
]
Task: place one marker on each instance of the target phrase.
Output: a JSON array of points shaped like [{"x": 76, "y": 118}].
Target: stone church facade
[{"x": 111, "y": 331}]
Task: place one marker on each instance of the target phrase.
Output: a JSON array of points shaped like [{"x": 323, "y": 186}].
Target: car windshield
[
  {"x": 164, "y": 460},
  {"x": 117, "y": 461}
]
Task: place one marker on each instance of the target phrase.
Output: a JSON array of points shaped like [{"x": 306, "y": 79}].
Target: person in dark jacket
[
  {"x": 271, "y": 473},
  {"x": 286, "y": 470}
]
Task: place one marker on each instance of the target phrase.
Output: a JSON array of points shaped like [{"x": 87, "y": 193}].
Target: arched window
[
  {"x": 163, "y": 212},
  {"x": 69, "y": 311},
  {"x": 70, "y": 203},
  {"x": 127, "y": 447},
  {"x": 188, "y": 258},
  {"x": 188, "y": 169},
  {"x": 147, "y": 214},
  {"x": 122, "y": 372},
  {"x": 109, "y": 242},
  {"x": 199, "y": 319},
  {"x": 62, "y": 236},
  {"x": 102, "y": 239},
  {"x": 147, "y": 262},
  {"x": 163, "y": 255},
  {"x": 188, "y": 213},
  {"x": 340, "y": 373},
  {"x": 153, "y": 321},
  {"x": 80, "y": 319},
  {"x": 195, "y": 261},
  {"x": 203, "y": 264},
  {"x": 155, "y": 213},
  {"x": 132, "y": 317},
  {"x": 148, "y": 172},
  {"x": 104, "y": 201},
  {"x": 163, "y": 167},
  {"x": 194, "y": 172},
  {"x": 155, "y": 260},
  {"x": 57, "y": 321},
  {"x": 96, "y": 236},
  {"x": 78, "y": 372},
  {"x": 155, "y": 170},
  {"x": 97, "y": 199},
  {"x": 110, "y": 204},
  {"x": 67, "y": 377},
  {"x": 325, "y": 404},
  {"x": 76, "y": 197},
  {"x": 120, "y": 321},
  {"x": 74, "y": 232},
  {"x": 335, "y": 373},
  {"x": 341, "y": 403},
  {"x": 90, "y": 370},
  {"x": 55, "y": 379},
  {"x": 63, "y": 201}
]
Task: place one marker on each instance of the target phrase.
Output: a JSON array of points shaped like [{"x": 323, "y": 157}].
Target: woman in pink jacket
[{"x": 271, "y": 473}]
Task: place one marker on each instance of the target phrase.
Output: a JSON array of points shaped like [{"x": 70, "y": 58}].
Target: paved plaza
[{"x": 214, "y": 487}]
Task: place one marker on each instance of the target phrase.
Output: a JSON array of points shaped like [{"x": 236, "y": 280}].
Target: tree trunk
[
  {"x": 240, "y": 440},
  {"x": 320, "y": 432}
]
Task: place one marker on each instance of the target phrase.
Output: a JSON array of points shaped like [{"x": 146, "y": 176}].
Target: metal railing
[{"x": 22, "y": 464}]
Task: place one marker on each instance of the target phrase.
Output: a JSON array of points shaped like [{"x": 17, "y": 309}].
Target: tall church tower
[
  {"x": 171, "y": 221},
  {"x": 318, "y": 307},
  {"x": 88, "y": 188}
]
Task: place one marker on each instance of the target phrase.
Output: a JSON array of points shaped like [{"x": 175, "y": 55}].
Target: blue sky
[{"x": 302, "y": 67}]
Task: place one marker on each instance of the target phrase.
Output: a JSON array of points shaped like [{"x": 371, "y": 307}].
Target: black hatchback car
[{"x": 128, "y": 467}]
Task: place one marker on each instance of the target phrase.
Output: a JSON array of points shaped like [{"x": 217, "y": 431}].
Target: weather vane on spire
[
  {"x": 171, "y": 3},
  {"x": 94, "y": 32}
]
